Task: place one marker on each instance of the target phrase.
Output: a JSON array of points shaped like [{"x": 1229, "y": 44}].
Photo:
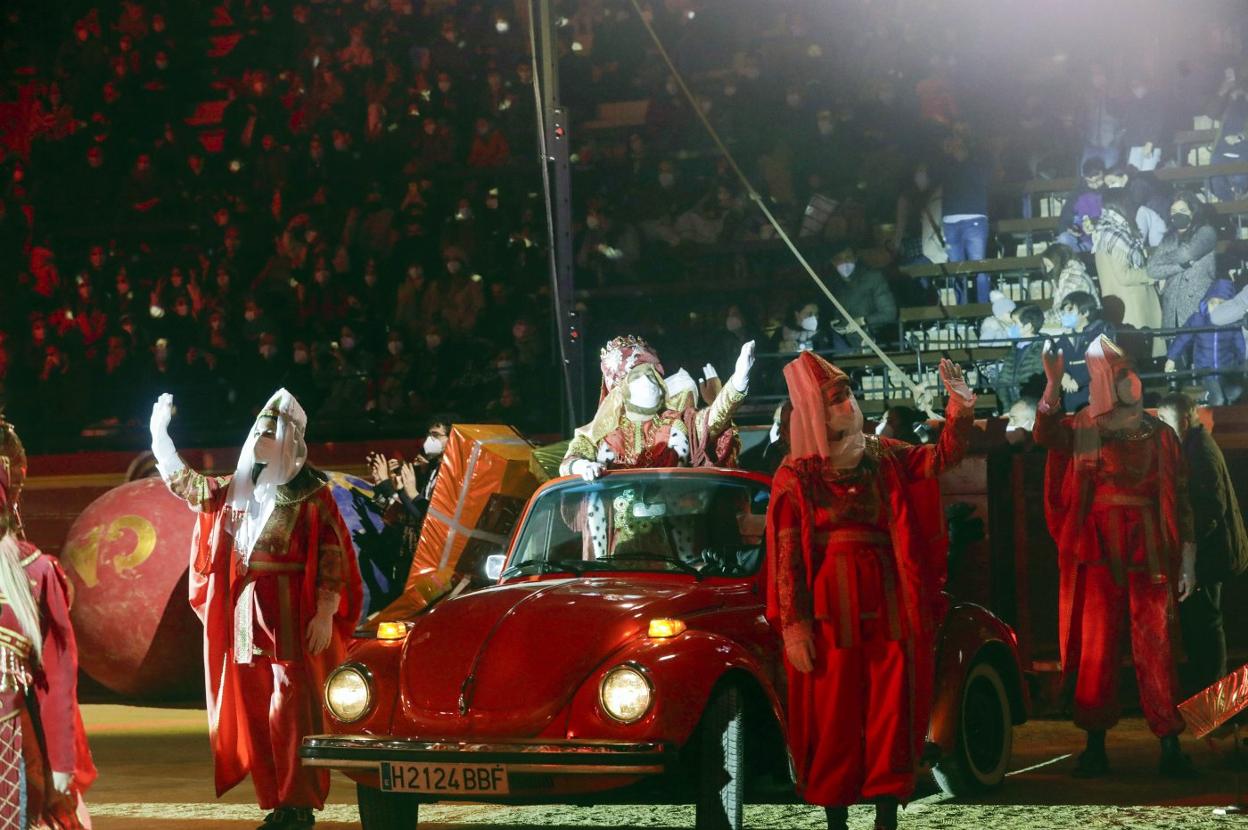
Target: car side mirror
[{"x": 494, "y": 566}]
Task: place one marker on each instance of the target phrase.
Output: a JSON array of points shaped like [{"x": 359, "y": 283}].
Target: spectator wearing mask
[
  {"x": 609, "y": 249},
  {"x": 1082, "y": 208},
  {"x": 1146, "y": 193},
  {"x": 736, "y": 332},
  {"x": 1221, "y": 542},
  {"x": 801, "y": 331},
  {"x": 1024, "y": 363},
  {"x": 995, "y": 329},
  {"x": 865, "y": 295},
  {"x": 964, "y": 181},
  {"x": 1184, "y": 259},
  {"x": 430, "y": 461},
  {"x": 1081, "y": 317},
  {"x": 1120, "y": 261},
  {"x": 1212, "y": 351},
  {"x": 1068, "y": 275},
  {"x": 489, "y": 147}
]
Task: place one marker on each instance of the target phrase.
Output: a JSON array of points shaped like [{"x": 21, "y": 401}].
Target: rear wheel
[
  {"x": 721, "y": 762},
  {"x": 386, "y": 811},
  {"x": 985, "y": 735}
]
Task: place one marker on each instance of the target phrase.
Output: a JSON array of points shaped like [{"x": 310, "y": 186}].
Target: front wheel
[
  {"x": 721, "y": 763},
  {"x": 985, "y": 735},
  {"x": 386, "y": 811}
]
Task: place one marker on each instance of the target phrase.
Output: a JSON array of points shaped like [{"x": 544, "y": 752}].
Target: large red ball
[{"x": 127, "y": 556}]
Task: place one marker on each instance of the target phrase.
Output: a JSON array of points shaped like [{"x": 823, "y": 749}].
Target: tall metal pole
[{"x": 555, "y": 159}]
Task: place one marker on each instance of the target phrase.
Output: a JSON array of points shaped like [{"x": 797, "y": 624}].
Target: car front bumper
[{"x": 541, "y": 757}]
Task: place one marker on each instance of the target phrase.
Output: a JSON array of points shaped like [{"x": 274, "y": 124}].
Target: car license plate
[{"x": 459, "y": 779}]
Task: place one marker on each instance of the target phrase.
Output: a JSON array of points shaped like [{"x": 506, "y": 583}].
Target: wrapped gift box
[
  {"x": 483, "y": 483},
  {"x": 1206, "y": 711}
]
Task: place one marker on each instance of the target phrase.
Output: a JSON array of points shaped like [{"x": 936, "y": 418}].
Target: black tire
[
  {"x": 386, "y": 811},
  {"x": 985, "y": 735},
  {"x": 721, "y": 763}
]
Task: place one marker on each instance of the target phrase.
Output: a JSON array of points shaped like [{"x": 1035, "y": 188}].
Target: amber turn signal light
[
  {"x": 666, "y": 627},
  {"x": 391, "y": 631}
]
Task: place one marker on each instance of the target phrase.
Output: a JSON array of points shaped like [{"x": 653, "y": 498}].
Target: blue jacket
[{"x": 1222, "y": 349}]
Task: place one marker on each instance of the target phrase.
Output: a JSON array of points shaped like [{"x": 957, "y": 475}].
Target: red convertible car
[{"x": 622, "y": 655}]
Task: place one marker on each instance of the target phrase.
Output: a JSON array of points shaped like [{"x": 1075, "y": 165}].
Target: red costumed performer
[
  {"x": 42, "y": 741},
  {"x": 851, "y": 572},
  {"x": 1116, "y": 503},
  {"x": 274, "y": 581}
]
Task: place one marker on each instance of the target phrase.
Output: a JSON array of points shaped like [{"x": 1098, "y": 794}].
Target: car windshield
[{"x": 708, "y": 525}]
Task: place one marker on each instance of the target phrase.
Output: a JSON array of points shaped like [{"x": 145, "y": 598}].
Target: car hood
[{"x": 502, "y": 662}]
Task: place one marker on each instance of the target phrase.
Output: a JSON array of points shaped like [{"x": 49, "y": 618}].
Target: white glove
[
  {"x": 679, "y": 442},
  {"x": 606, "y": 455},
  {"x": 162, "y": 445},
  {"x": 745, "y": 362},
  {"x": 61, "y": 781},
  {"x": 586, "y": 469}
]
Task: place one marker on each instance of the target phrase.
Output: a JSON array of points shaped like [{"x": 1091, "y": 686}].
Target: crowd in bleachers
[{"x": 216, "y": 199}]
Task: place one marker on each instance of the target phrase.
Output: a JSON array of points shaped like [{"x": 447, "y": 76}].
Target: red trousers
[
  {"x": 850, "y": 720},
  {"x": 281, "y": 710},
  {"x": 1106, "y": 605}
]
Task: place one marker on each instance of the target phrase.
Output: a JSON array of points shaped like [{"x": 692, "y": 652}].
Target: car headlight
[
  {"x": 626, "y": 693},
  {"x": 349, "y": 692}
]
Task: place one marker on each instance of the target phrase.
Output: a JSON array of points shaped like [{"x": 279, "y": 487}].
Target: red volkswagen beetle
[{"x": 622, "y": 654}]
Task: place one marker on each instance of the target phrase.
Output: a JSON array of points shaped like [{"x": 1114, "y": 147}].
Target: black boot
[
  {"x": 275, "y": 820},
  {"x": 838, "y": 818},
  {"x": 1174, "y": 762},
  {"x": 886, "y": 813},
  {"x": 1093, "y": 762}
]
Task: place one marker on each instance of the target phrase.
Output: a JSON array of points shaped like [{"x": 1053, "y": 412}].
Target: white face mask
[
  {"x": 810, "y": 323},
  {"x": 434, "y": 445},
  {"x": 845, "y": 269},
  {"x": 643, "y": 393},
  {"x": 667, "y": 179}
]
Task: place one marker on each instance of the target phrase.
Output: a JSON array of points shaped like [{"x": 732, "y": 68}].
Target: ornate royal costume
[
  {"x": 852, "y": 573},
  {"x": 270, "y": 552}
]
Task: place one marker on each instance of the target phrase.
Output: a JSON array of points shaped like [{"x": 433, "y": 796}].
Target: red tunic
[
  {"x": 850, "y": 553},
  {"x": 1119, "y": 519},
  {"x": 304, "y": 546},
  {"x": 50, "y": 734}
]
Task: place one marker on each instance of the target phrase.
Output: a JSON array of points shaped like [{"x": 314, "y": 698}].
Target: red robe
[
  {"x": 242, "y": 718},
  {"x": 50, "y": 733},
  {"x": 850, "y": 554},
  {"x": 1119, "y": 521}
]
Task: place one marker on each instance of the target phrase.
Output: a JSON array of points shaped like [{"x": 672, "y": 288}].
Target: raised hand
[
  {"x": 745, "y": 362},
  {"x": 953, "y": 379},
  {"x": 162, "y": 414}
]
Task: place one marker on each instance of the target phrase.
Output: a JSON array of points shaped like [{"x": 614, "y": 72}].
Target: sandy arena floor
[{"x": 155, "y": 774}]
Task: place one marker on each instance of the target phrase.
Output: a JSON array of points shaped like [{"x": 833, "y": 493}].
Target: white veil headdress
[{"x": 251, "y": 502}]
